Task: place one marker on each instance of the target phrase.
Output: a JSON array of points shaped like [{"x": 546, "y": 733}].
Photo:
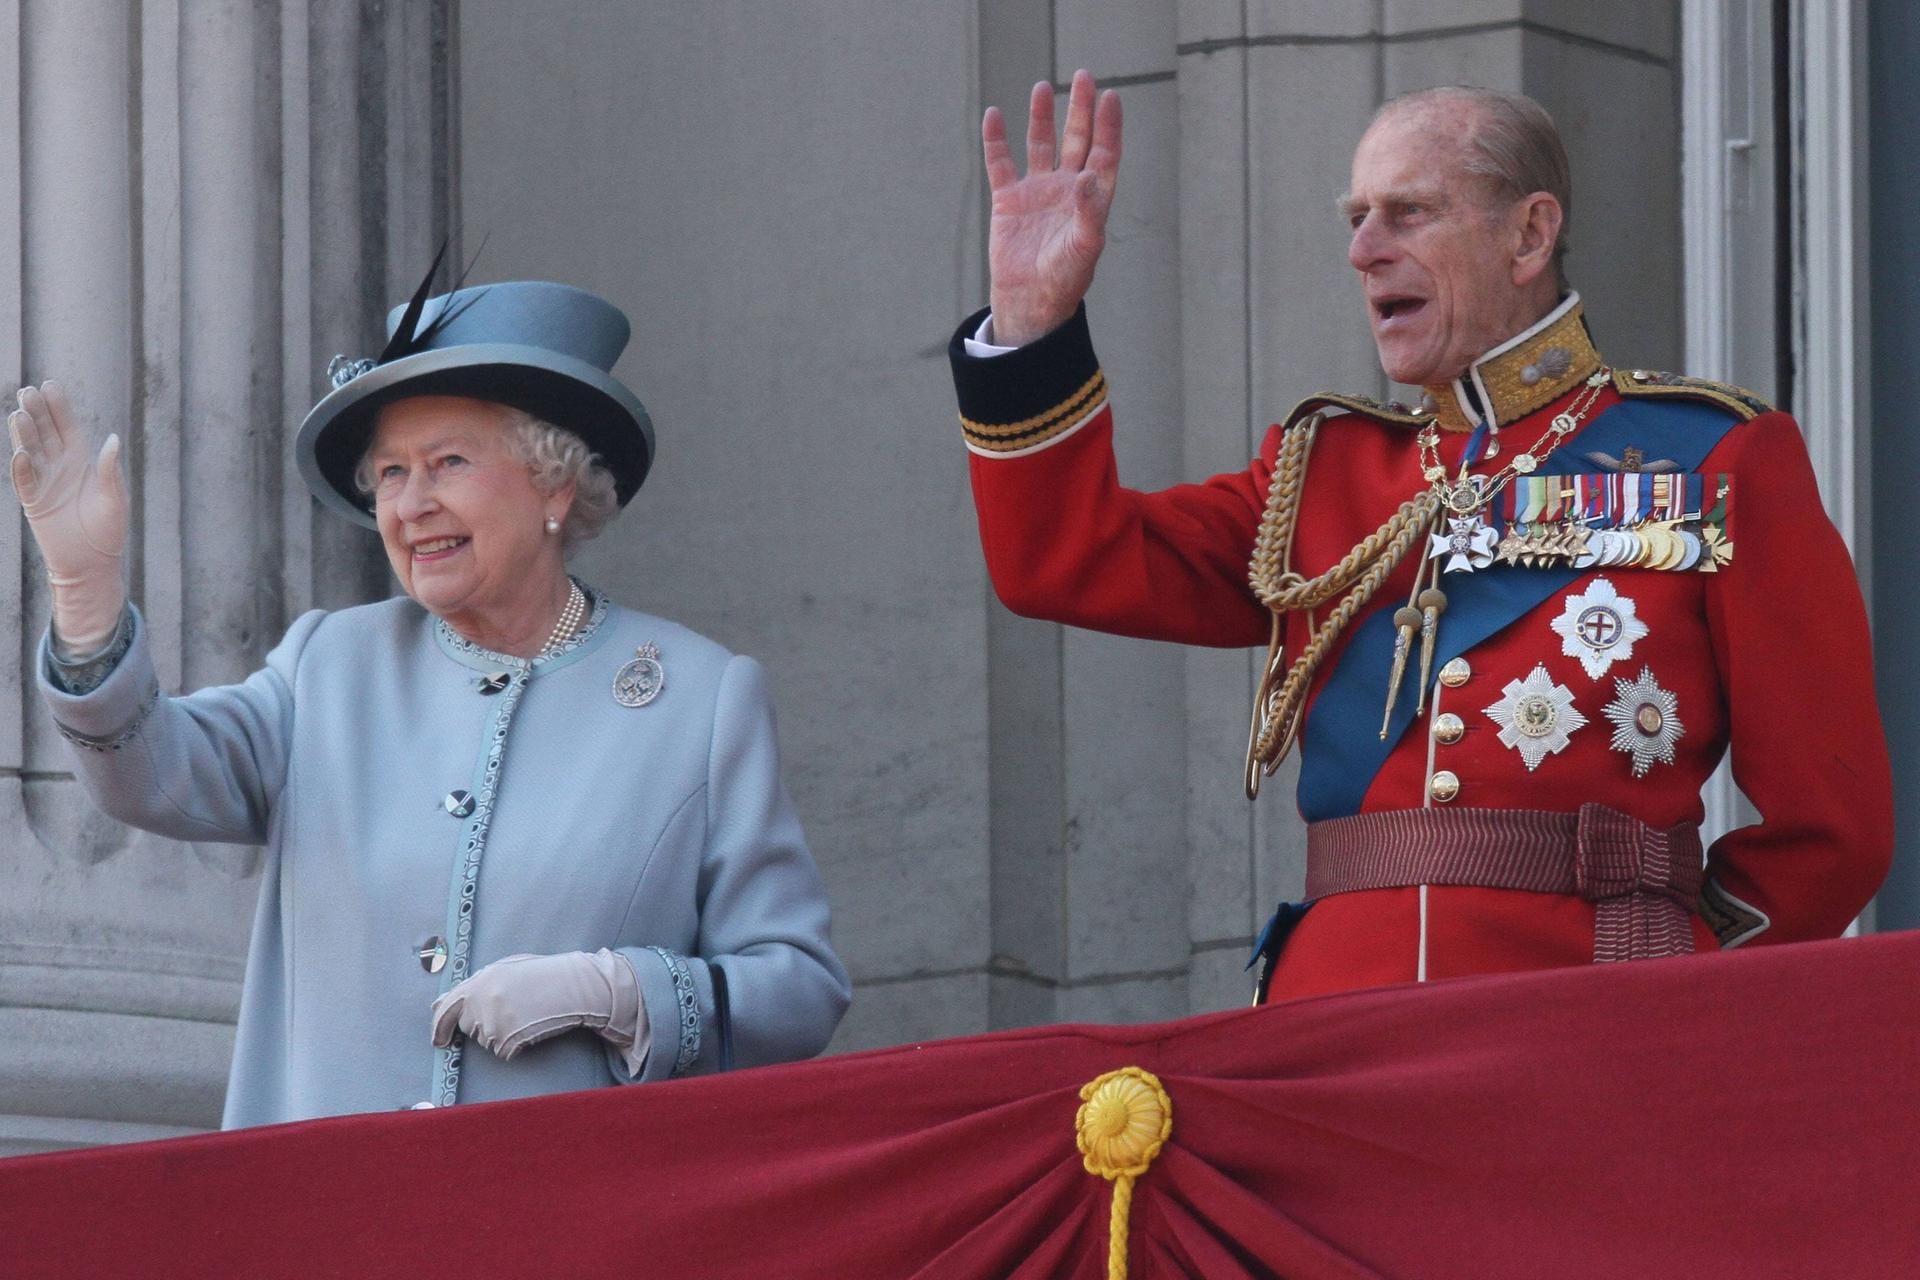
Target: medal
[
  {"x": 1717, "y": 551},
  {"x": 1599, "y": 626},
  {"x": 642, "y": 679},
  {"x": 1535, "y": 717},
  {"x": 1645, "y": 721},
  {"x": 1466, "y": 545},
  {"x": 1463, "y": 499},
  {"x": 1693, "y": 545}
]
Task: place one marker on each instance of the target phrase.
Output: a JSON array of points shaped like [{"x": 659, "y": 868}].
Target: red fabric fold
[{"x": 1748, "y": 1113}]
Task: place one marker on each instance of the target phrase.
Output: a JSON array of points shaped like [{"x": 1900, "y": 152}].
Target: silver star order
[
  {"x": 1535, "y": 717},
  {"x": 1599, "y": 627},
  {"x": 1646, "y": 721},
  {"x": 1468, "y": 544}
]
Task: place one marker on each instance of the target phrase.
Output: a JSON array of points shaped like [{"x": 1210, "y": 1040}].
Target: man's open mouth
[{"x": 1392, "y": 308}]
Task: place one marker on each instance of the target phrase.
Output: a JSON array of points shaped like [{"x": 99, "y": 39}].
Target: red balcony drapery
[{"x": 1749, "y": 1114}]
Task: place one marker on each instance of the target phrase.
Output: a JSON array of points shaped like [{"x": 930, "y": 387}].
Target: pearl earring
[{"x": 553, "y": 525}]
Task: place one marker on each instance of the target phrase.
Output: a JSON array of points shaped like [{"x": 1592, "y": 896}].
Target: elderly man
[{"x": 1507, "y": 626}]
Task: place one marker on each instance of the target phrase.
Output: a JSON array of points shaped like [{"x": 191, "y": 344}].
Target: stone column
[
  {"x": 1087, "y": 738},
  {"x": 214, "y": 197}
]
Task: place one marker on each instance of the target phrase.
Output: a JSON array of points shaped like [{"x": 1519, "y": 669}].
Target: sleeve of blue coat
[
  {"x": 206, "y": 766},
  {"x": 763, "y": 912}
]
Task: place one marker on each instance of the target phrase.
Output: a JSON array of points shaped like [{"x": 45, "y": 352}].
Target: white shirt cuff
[{"x": 981, "y": 344}]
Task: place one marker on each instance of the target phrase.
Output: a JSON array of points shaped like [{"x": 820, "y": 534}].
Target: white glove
[
  {"x": 76, "y": 505},
  {"x": 522, "y": 1000}
]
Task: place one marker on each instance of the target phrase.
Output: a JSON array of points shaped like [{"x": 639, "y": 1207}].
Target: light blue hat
[{"x": 544, "y": 348}]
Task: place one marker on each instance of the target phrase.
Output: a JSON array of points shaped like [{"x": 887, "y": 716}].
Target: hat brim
[{"x": 569, "y": 393}]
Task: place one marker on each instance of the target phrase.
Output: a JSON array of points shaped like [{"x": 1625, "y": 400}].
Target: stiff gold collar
[{"x": 1525, "y": 373}]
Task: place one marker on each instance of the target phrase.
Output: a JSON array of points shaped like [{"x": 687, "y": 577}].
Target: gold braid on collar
[{"x": 1523, "y": 375}]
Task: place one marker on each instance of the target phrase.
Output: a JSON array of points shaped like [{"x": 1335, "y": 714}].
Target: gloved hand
[
  {"x": 522, "y": 1000},
  {"x": 76, "y": 504}
]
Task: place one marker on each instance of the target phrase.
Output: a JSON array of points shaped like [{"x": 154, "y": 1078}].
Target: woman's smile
[{"x": 434, "y": 550}]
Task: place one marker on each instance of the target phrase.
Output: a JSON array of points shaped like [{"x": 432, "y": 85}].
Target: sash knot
[{"x": 1643, "y": 881}]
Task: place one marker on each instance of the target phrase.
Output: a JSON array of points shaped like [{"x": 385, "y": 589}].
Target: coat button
[
  {"x": 1445, "y": 786},
  {"x": 459, "y": 803},
  {"x": 432, "y": 954},
  {"x": 1456, "y": 673},
  {"x": 1448, "y": 728},
  {"x": 493, "y": 682}
]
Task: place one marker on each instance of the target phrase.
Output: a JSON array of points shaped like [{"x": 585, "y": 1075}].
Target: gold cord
[
  {"x": 1283, "y": 688},
  {"x": 1124, "y": 1120}
]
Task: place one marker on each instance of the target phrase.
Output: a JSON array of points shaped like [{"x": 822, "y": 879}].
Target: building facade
[{"x": 1018, "y": 823}]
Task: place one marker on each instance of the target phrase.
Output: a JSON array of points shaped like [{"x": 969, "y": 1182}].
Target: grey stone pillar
[
  {"x": 1087, "y": 742},
  {"x": 214, "y": 197}
]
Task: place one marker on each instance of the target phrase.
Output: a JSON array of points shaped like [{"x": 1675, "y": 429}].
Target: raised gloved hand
[
  {"x": 76, "y": 505},
  {"x": 522, "y": 999}
]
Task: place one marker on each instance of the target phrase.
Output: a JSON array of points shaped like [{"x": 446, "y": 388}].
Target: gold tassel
[
  {"x": 1407, "y": 620},
  {"x": 1433, "y": 602},
  {"x": 1124, "y": 1119}
]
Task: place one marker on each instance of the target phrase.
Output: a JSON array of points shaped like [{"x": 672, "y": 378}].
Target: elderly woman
[{"x": 521, "y": 839}]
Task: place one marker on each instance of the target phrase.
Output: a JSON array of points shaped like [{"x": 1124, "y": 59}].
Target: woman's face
[{"x": 464, "y": 527}]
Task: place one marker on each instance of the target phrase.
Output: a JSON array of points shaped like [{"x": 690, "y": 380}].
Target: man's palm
[{"x": 1048, "y": 228}]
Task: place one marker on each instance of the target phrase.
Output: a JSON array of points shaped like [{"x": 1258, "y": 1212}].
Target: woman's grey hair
[
  {"x": 1514, "y": 146},
  {"x": 552, "y": 455}
]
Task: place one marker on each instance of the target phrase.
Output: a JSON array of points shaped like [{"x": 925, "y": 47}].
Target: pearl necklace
[{"x": 569, "y": 621}]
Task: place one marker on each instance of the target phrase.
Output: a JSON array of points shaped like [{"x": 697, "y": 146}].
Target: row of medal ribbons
[
  {"x": 1614, "y": 499},
  {"x": 1668, "y": 521}
]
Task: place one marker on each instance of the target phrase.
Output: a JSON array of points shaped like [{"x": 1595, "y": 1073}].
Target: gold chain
[{"x": 1463, "y": 497}]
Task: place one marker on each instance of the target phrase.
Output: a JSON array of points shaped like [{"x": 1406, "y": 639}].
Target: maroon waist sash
[{"x": 1644, "y": 881}]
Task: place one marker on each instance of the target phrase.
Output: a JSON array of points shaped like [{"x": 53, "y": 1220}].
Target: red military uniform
[{"x": 1615, "y": 683}]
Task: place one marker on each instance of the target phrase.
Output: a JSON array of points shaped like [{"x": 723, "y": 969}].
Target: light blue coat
[{"x": 662, "y": 831}]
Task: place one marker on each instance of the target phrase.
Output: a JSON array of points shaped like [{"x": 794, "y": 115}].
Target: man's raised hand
[{"x": 1048, "y": 228}]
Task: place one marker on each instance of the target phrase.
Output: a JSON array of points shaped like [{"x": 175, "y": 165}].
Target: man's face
[{"x": 1435, "y": 252}]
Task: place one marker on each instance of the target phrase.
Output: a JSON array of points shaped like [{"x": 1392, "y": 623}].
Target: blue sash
[{"x": 1341, "y": 750}]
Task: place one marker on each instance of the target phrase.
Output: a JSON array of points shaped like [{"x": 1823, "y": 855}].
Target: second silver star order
[{"x": 1646, "y": 721}]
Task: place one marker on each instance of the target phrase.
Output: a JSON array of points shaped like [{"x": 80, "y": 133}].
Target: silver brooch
[
  {"x": 642, "y": 679},
  {"x": 1599, "y": 625},
  {"x": 344, "y": 369},
  {"x": 1535, "y": 717},
  {"x": 1646, "y": 721}
]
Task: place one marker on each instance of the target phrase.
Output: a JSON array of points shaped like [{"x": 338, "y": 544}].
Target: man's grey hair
[
  {"x": 1514, "y": 146},
  {"x": 552, "y": 455}
]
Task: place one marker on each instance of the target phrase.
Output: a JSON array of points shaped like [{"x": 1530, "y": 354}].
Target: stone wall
[{"x": 212, "y": 197}]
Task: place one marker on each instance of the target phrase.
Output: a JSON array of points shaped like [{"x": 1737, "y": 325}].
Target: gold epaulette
[
  {"x": 1735, "y": 400},
  {"x": 1387, "y": 411}
]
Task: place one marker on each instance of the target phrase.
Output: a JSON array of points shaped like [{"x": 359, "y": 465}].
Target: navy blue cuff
[{"x": 1031, "y": 394}]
